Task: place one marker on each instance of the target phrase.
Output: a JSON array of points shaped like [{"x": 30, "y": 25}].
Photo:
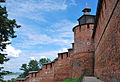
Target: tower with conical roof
[
  {"x": 83, "y": 32},
  {"x": 83, "y": 51}
]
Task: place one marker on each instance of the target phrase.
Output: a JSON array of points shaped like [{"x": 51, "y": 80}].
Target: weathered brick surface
[
  {"x": 83, "y": 51},
  {"x": 46, "y": 74},
  {"x": 107, "y": 55},
  {"x": 62, "y": 69},
  {"x": 105, "y": 13},
  {"x": 82, "y": 38},
  {"x": 82, "y": 64}
]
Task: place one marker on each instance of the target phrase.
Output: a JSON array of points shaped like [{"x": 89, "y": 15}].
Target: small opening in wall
[
  {"x": 88, "y": 27},
  {"x": 35, "y": 75},
  {"x": 80, "y": 28},
  {"x": 67, "y": 55},
  {"x": 61, "y": 56},
  {"x": 32, "y": 74},
  {"x": 46, "y": 66},
  {"x": 51, "y": 65}
]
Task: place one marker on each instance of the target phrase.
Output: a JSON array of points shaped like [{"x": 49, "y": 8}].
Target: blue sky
[{"x": 46, "y": 28}]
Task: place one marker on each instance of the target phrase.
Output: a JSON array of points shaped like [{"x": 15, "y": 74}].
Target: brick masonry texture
[
  {"x": 107, "y": 54},
  {"x": 95, "y": 51}
]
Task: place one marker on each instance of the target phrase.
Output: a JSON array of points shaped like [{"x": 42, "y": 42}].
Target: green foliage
[
  {"x": 7, "y": 31},
  {"x": 33, "y": 65},
  {"x": 12, "y": 80},
  {"x": 2, "y": 0},
  {"x": 25, "y": 69},
  {"x": 44, "y": 60},
  {"x": 97, "y": 77}
]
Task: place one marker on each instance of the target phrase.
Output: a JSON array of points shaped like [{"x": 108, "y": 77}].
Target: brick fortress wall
[
  {"x": 83, "y": 54},
  {"x": 107, "y": 40},
  {"x": 95, "y": 51}
]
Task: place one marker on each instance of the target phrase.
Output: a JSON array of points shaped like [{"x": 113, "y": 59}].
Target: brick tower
[{"x": 83, "y": 44}]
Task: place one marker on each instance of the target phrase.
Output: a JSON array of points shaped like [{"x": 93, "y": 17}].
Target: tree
[
  {"x": 7, "y": 27},
  {"x": 32, "y": 66},
  {"x": 44, "y": 60},
  {"x": 12, "y": 80},
  {"x": 25, "y": 69},
  {"x": 2, "y": 0}
]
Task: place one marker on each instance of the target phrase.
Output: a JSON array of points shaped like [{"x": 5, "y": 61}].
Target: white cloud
[
  {"x": 63, "y": 26},
  {"x": 30, "y": 8},
  {"x": 43, "y": 57},
  {"x": 32, "y": 58},
  {"x": 73, "y": 2},
  {"x": 47, "y": 54},
  {"x": 11, "y": 51},
  {"x": 63, "y": 50},
  {"x": 59, "y": 34},
  {"x": 9, "y": 41}
]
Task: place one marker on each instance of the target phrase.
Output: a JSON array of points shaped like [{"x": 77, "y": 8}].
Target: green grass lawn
[
  {"x": 70, "y": 80},
  {"x": 74, "y": 80}
]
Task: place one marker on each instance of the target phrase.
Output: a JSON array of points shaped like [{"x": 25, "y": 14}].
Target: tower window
[
  {"x": 35, "y": 75},
  {"x": 51, "y": 65},
  {"x": 80, "y": 28},
  {"x": 61, "y": 56},
  {"x": 88, "y": 26},
  {"x": 32, "y": 74},
  {"x": 67, "y": 54},
  {"x": 46, "y": 66}
]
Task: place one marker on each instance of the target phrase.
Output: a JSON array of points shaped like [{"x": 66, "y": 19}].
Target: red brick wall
[
  {"x": 62, "y": 69},
  {"x": 83, "y": 51},
  {"x": 107, "y": 8},
  {"x": 82, "y": 38},
  {"x": 107, "y": 40},
  {"x": 46, "y": 74},
  {"x": 82, "y": 64},
  {"x": 33, "y": 77}
]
